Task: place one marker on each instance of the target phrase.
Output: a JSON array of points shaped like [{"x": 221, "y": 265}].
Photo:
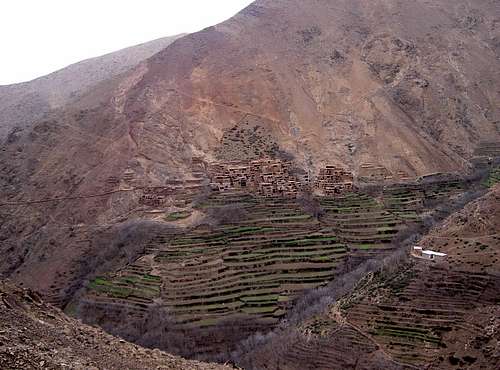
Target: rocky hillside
[
  {"x": 471, "y": 237},
  {"x": 24, "y": 104},
  {"x": 34, "y": 335},
  {"x": 405, "y": 85},
  {"x": 403, "y": 88}
]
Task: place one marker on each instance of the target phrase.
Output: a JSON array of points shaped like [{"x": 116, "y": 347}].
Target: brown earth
[
  {"x": 471, "y": 238},
  {"x": 34, "y": 335}
]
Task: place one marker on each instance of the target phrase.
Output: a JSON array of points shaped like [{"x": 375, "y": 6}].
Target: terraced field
[
  {"x": 364, "y": 224},
  {"x": 488, "y": 149},
  {"x": 413, "y": 319},
  {"x": 493, "y": 178},
  {"x": 244, "y": 272},
  {"x": 325, "y": 345},
  {"x": 132, "y": 289},
  {"x": 252, "y": 267},
  {"x": 425, "y": 305},
  {"x": 408, "y": 200}
]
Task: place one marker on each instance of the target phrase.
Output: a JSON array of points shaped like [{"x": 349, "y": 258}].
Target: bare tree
[
  {"x": 230, "y": 213},
  {"x": 310, "y": 205}
]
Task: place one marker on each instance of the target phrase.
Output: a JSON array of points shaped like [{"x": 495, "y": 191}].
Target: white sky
[{"x": 40, "y": 36}]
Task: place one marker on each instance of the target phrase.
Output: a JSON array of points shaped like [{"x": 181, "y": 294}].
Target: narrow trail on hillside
[{"x": 61, "y": 199}]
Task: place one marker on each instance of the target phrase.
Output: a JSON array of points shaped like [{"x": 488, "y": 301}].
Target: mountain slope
[
  {"x": 413, "y": 314},
  {"x": 404, "y": 85},
  {"x": 25, "y": 103},
  {"x": 402, "y": 88},
  {"x": 34, "y": 335},
  {"x": 395, "y": 83}
]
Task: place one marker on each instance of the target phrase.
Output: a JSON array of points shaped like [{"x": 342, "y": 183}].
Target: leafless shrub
[
  {"x": 157, "y": 330},
  {"x": 225, "y": 215},
  {"x": 202, "y": 196},
  {"x": 310, "y": 205},
  {"x": 373, "y": 190},
  {"x": 285, "y": 156},
  {"x": 154, "y": 329},
  {"x": 269, "y": 348}
]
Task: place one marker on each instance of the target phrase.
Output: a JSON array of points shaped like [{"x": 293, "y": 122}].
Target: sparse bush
[
  {"x": 225, "y": 215},
  {"x": 310, "y": 205},
  {"x": 285, "y": 156},
  {"x": 202, "y": 196}
]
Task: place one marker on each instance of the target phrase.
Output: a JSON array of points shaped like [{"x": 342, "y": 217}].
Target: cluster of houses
[
  {"x": 273, "y": 177},
  {"x": 267, "y": 177},
  {"x": 333, "y": 181},
  {"x": 155, "y": 196},
  {"x": 159, "y": 196}
]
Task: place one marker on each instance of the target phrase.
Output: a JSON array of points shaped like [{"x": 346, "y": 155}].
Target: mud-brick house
[
  {"x": 221, "y": 183},
  {"x": 240, "y": 175},
  {"x": 333, "y": 180},
  {"x": 267, "y": 189}
]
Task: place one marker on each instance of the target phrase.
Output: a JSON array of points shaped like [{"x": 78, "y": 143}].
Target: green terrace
[
  {"x": 362, "y": 223},
  {"x": 493, "y": 178},
  {"x": 252, "y": 267},
  {"x": 257, "y": 266},
  {"x": 146, "y": 287},
  {"x": 410, "y": 333},
  {"x": 176, "y": 216},
  {"x": 429, "y": 303}
]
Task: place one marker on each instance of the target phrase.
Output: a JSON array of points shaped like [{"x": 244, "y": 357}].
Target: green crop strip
[
  {"x": 494, "y": 178},
  {"x": 175, "y": 216}
]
